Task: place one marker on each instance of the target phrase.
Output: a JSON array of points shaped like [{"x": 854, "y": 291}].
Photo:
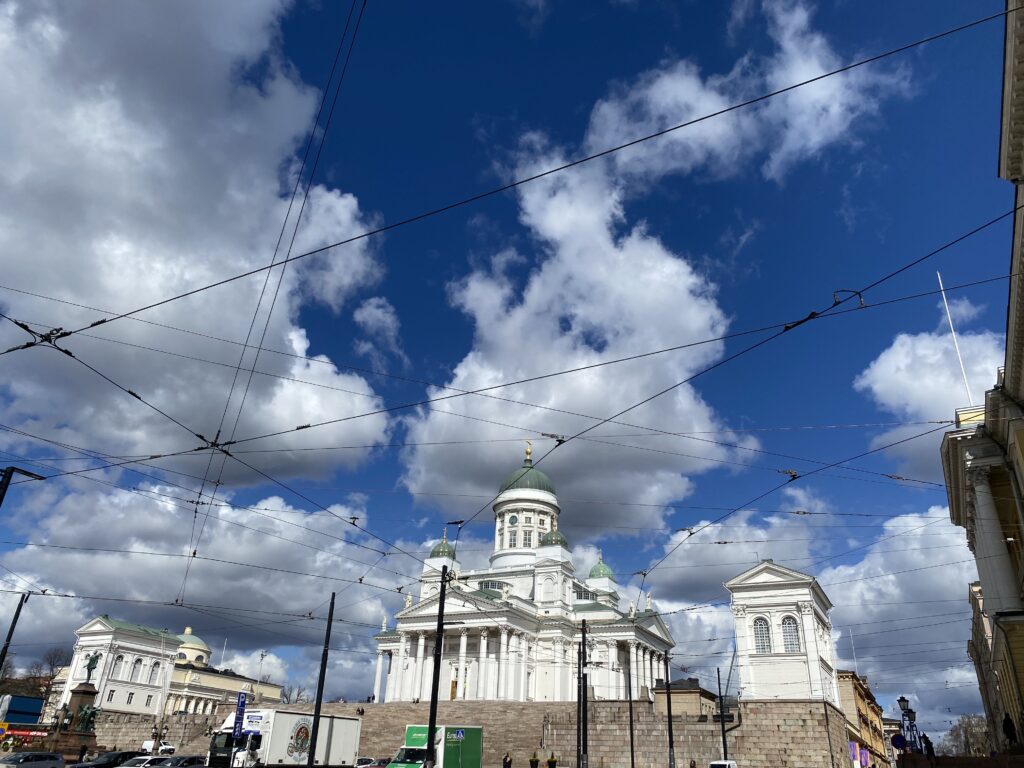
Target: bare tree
[
  {"x": 301, "y": 695},
  {"x": 35, "y": 669},
  {"x": 967, "y": 736},
  {"x": 287, "y": 692},
  {"x": 55, "y": 658}
]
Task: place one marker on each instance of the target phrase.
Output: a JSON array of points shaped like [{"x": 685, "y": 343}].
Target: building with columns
[
  {"x": 142, "y": 670},
  {"x": 983, "y": 458},
  {"x": 784, "y": 647},
  {"x": 512, "y": 629}
]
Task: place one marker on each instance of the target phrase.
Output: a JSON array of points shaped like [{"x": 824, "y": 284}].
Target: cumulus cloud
[
  {"x": 165, "y": 171},
  {"x": 917, "y": 378},
  {"x": 603, "y": 287}
]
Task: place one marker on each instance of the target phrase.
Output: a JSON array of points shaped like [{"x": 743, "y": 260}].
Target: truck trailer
[
  {"x": 455, "y": 746},
  {"x": 278, "y": 738}
]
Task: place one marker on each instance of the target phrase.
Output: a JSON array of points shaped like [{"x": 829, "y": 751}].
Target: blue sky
[{"x": 145, "y": 168}]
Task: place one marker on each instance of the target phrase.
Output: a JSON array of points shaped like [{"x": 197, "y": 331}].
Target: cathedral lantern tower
[{"x": 525, "y": 512}]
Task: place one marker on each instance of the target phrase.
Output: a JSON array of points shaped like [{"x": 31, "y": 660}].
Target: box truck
[
  {"x": 274, "y": 737},
  {"x": 455, "y": 746}
]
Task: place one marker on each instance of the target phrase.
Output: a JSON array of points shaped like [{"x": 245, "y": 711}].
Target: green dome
[
  {"x": 528, "y": 478},
  {"x": 554, "y": 538},
  {"x": 443, "y": 548},
  {"x": 601, "y": 570}
]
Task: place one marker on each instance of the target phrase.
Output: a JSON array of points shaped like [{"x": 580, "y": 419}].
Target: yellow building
[
  {"x": 863, "y": 720},
  {"x": 688, "y": 698},
  {"x": 983, "y": 458}
]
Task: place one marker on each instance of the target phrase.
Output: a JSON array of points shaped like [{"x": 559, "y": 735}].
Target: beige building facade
[
  {"x": 983, "y": 458},
  {"x": 864, "y": 725},
  {"x": 688, "y": 698}
]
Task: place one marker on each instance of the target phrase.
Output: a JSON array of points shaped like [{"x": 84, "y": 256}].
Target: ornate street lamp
[{"x": 903, "y": 702}]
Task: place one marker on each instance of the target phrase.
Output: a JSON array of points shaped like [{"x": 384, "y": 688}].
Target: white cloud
[
  {"x": 271, "y": 667},
  {"x": 603, "y": 287},
  {"x": 379, "y": 321},
  {"x": 918, "y": 378},
  {"x": 140, "y": 171}
]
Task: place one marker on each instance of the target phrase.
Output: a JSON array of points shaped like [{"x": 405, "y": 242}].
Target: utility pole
[
  {"x": 311, "y": 756},
  {"x": 22, "y": 599},
  {"x": 579, "y": 705},
  {"x": 721, "y": 716},
  {"x": 435, "y": 678},
  {"x": 668, "y": 703},
  {"x": 584, "y": 678},
  {"x": 8, "y": 473}
]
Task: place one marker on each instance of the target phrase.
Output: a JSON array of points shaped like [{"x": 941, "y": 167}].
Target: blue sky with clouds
[{"x": 152, "y": 149}]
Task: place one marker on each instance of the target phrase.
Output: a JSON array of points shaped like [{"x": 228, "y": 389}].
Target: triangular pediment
[
  {"x": 766, "y": 574},
  {"x": 97, "y": 624},
  {"x": 455, "y": 602}
]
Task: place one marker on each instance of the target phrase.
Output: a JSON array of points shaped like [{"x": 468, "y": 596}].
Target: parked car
[
  {"x": 33, "y": 759},
  {"x": 363, "y": 762},
  {"x": 380, "y": 762},
  {"x": 109, "y": 760},
  {"x": 184, "y": 761},
  {"x": 144, "y": 761},
  {"x": 161, "y": 747}
]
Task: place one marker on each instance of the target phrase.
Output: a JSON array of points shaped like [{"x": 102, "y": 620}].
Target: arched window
[
  {"x": 200, "y": 659},
  {"x": 136, "y": 670},
  {"x": 181, "y": 656},
  {"x": 762, "y": 636},
  {"x": 790, "y": 635},
  {"x": 115, "y": 673},
  {"x": 154, "y": 674}
]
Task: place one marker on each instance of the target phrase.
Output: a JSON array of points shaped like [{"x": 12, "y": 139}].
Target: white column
[
  {"x": 389, "y": 688},
  {"x": 556, "y": 669},
  {"x": 376, "y": 677},
  {"x": 503, "y": 665},
  {"x": 998, "y": 585},
  {"x": 633, "y": 682},
  {"x": 403, "y": 639},
  {"x": 524, "y": 662},
  {"x": 417, "y": 686},
  {"x": 512, "y": 677},
  {"x": 460, "y": 691},
  {"x": 609, "y": 677},
  {"x": 481, "y": 671}
]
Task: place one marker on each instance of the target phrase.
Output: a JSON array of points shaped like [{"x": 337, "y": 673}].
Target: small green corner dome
[
  {"x": 527, "y": 477},
  {"x": 601, "y": 570},
  {"x": 554, "y": 539},
  {"x": 443, "y": 548}
]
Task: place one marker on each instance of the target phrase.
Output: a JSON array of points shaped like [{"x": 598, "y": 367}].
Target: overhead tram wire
[
  {"x": 515, "y": 184},
  {"x": 374, "y": 372},
  {"x": 193, "y": 538}
]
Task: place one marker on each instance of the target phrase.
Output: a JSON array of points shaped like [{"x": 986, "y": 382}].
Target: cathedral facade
[{"x": 512, "y": 630}]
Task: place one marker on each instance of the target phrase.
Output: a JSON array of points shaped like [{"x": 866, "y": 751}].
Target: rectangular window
[
  {"x": 110, "y": 695},
  {"x": 511, "y": 539},
  {"x": 542, "y": 522},
  {"x": 130, "y": 697},
  {"x": 149, "y": 701},
  {"x": 527, "y": 538},
  {"x": 528, "y": 520}
]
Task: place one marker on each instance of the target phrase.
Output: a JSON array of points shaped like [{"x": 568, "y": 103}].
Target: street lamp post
[{"x": 908, "y": 724}]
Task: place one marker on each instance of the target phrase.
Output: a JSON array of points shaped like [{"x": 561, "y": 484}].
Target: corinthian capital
[
  {"x": 739, "y": 611},
  {"x": 978, "y": 475}
]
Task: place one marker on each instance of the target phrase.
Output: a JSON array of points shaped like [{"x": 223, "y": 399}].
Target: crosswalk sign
[{"x": 460, "y": 734}]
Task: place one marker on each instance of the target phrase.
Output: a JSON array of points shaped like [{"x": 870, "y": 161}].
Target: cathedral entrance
[{"x": 455, "y": 687}]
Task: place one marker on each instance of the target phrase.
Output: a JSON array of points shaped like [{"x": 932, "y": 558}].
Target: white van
[
  {"x": 722, "y": 764},
  {"x": 159, "y": 748}
]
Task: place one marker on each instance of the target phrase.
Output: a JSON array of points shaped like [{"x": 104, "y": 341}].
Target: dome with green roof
[
  {"x": 187, "y": 638},
  {"x": 443, "y": 548},
  {"x": 601, "y": 570},
  {"x": 527, "y": 477},
  {"x": 554, "y": 538}
]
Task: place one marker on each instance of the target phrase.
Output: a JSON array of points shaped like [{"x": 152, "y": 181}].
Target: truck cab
[{"x": 455, "y": 746}]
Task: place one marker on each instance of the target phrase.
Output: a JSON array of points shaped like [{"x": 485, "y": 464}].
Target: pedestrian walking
[
  {"x": 506, "y": 761},
  {"x": 693, "y": 764},
  {"x": 82, "y": 752}
]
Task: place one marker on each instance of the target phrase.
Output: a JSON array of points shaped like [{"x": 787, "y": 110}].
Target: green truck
[{"x": 456, "y": 746}]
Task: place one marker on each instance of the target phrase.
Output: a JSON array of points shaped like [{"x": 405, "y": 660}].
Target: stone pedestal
[{"x": 81, "y": 695}]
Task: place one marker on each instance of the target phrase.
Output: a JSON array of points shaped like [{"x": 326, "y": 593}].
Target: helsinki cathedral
[{"x": 512, "y": 630}]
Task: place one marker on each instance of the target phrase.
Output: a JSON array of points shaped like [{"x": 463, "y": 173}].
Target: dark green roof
[
  {"x": 601, "y": 570},
  {"x": 443, "y": 548},
  {"x": 141, "y": 629},
  {"x": 529, "y": 478},
  {"x": 554, "y": 538}
]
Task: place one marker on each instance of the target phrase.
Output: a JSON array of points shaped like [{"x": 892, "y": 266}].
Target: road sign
[
  {"x": 236, "y": 729},
  {"x": 460, "y": 735},
  {"x": 729, "y": 717}
]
